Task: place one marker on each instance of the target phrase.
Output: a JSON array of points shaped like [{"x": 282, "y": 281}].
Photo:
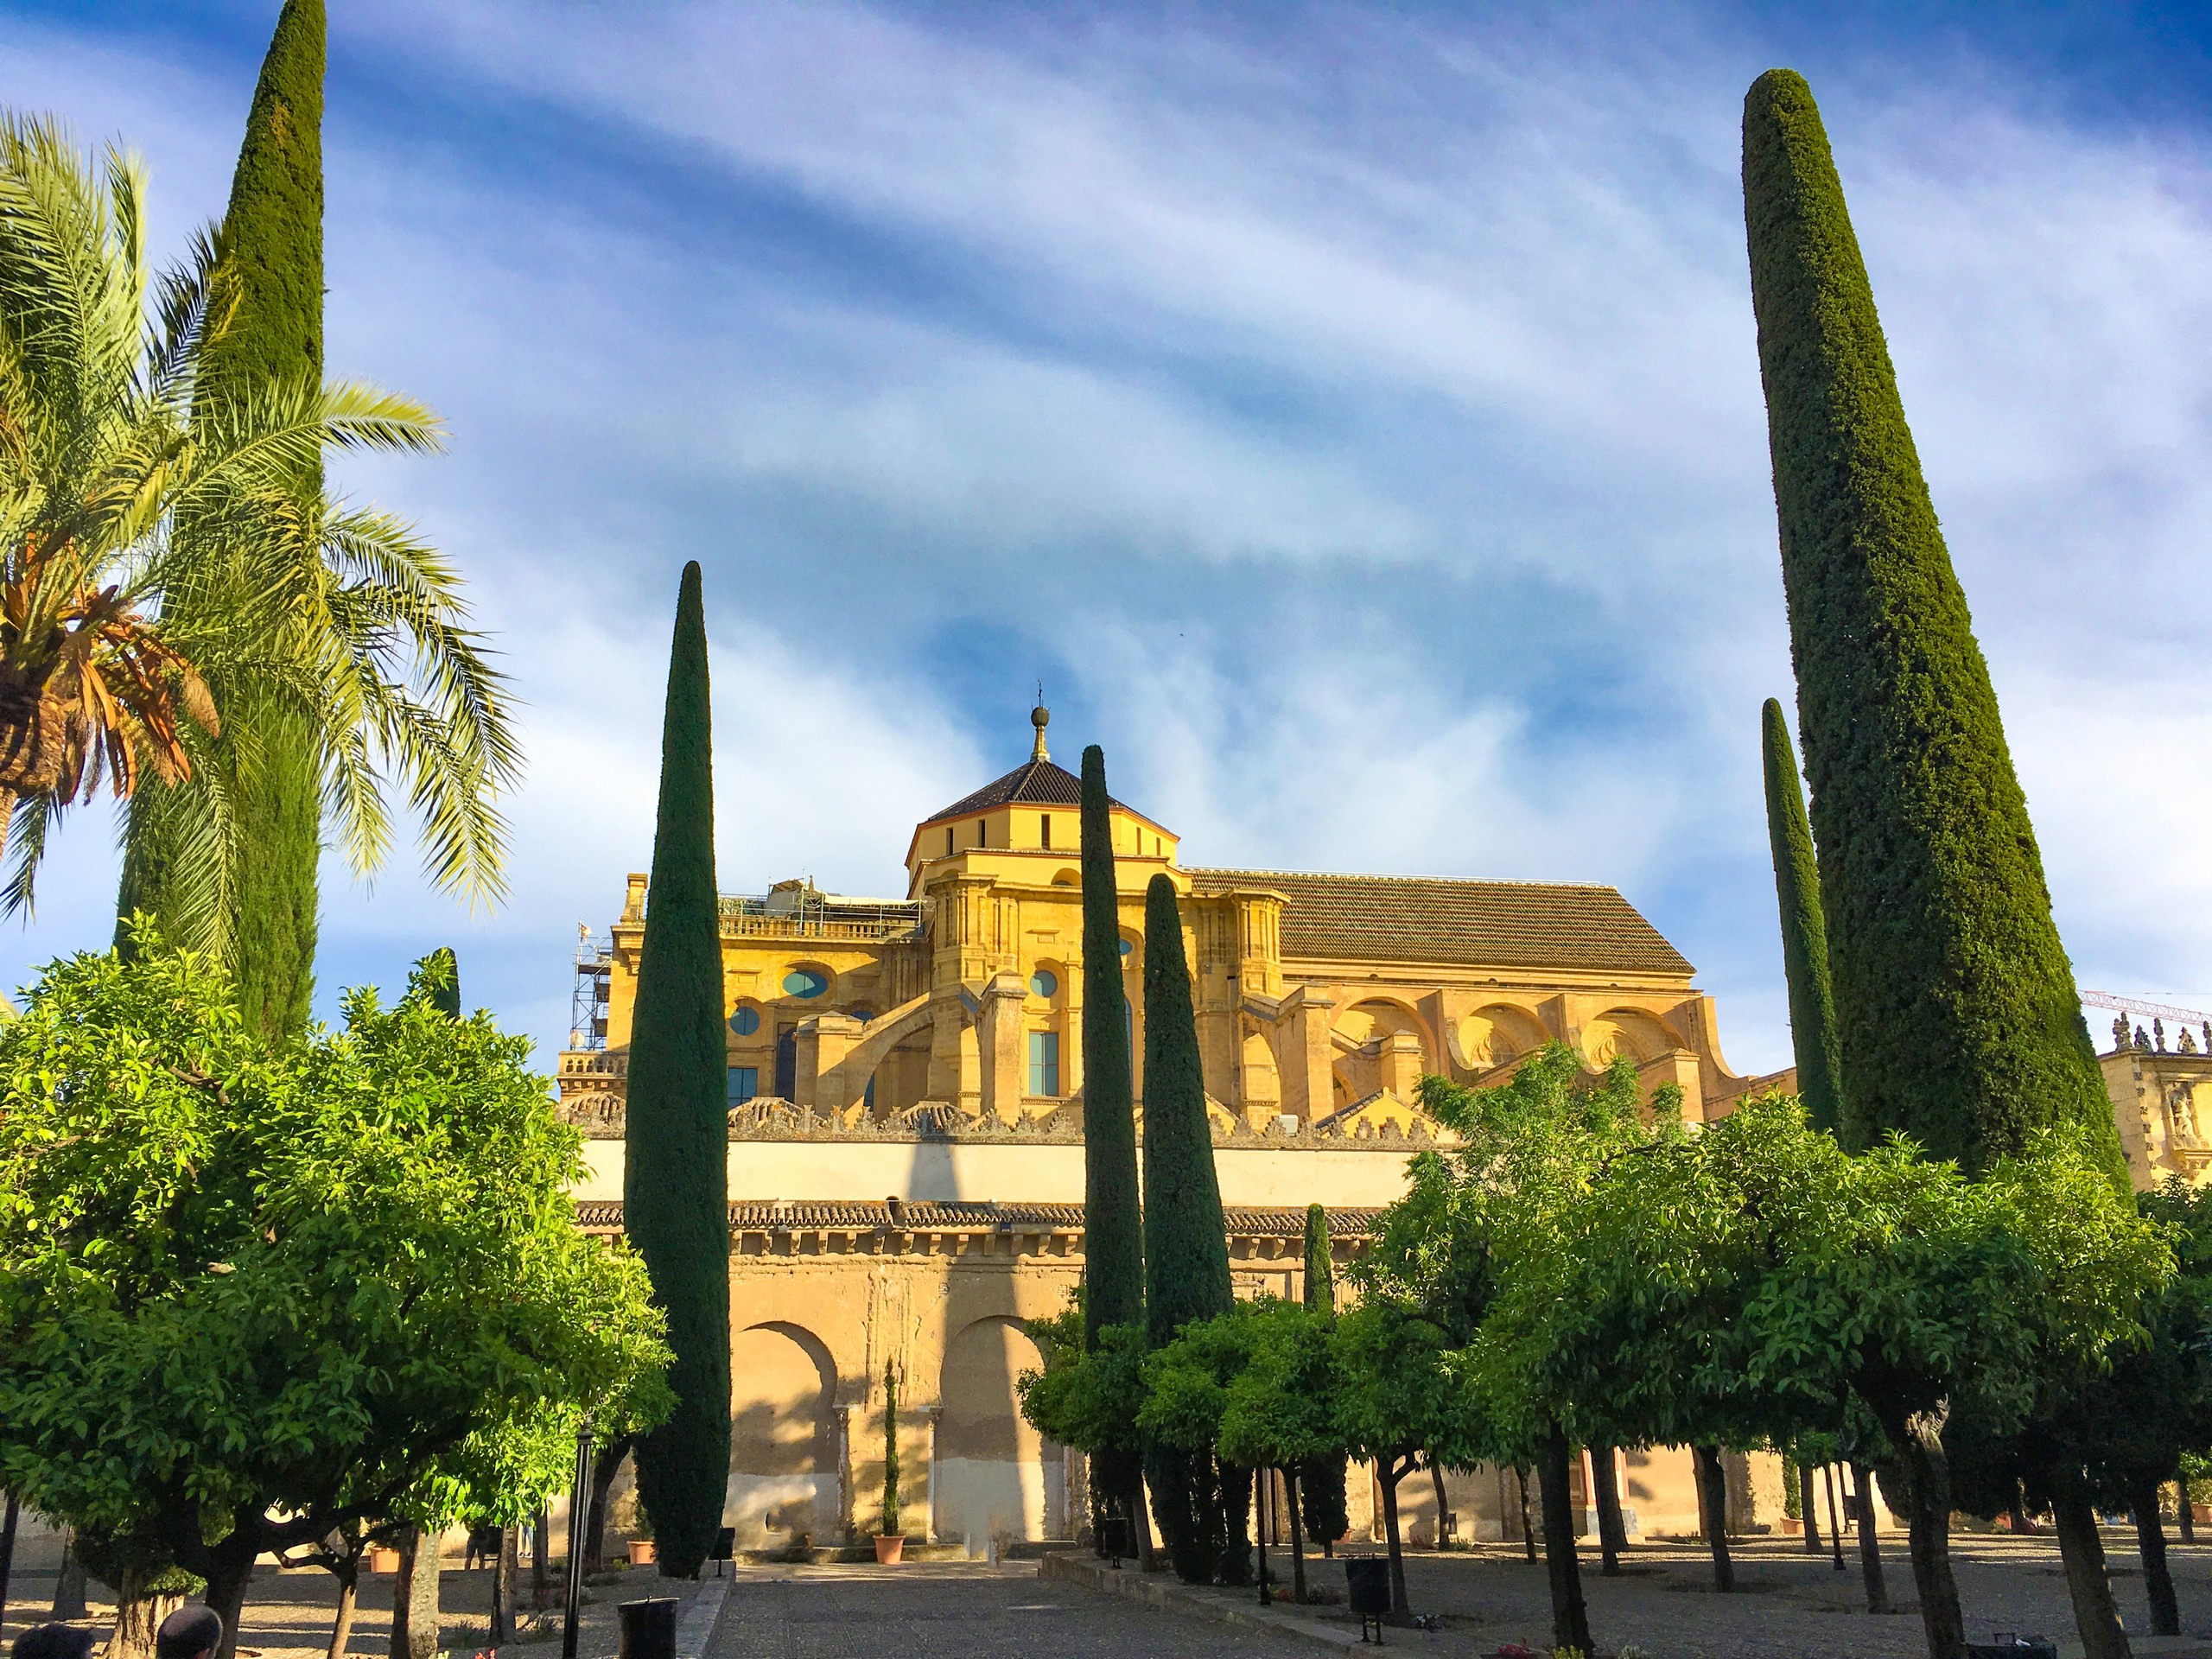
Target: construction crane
[{"x": 2146, "y": 1010}]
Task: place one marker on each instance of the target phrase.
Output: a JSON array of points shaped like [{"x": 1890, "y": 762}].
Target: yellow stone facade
[{"x": 906, "y": 1159}]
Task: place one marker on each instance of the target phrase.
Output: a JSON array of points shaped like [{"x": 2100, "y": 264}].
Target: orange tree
[{"x": 251, "y": 1295}]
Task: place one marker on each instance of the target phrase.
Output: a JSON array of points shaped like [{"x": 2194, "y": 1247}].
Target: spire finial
[{"x": 1040, "y": 717}]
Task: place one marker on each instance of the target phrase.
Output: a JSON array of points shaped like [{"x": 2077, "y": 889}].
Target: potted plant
[
  {"x": 384, "y": 1558},
  {"x": 642, "y": 1551},
  {"x": 890, "y": 1537}
]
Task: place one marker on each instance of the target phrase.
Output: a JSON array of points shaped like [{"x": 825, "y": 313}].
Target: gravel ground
[
  {"x": 1788, "y": 1602},
  {"x": 289, "y": 1614},
  {"x": 933, "y": 1611}
]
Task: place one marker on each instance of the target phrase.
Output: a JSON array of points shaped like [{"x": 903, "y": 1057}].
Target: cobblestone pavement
[{"x": 922, "y": 1610}]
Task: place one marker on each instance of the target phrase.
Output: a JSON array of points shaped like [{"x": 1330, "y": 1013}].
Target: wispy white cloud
[{"x": 1359, "y": 419}]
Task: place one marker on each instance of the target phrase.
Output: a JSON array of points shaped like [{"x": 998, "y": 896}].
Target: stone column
[
  {"x": 845, "y": 1530},
  {"x": 824, "y": 1042},
  {"x": 1401, "y": 1058},
  {"x": 1304, "y": 1054},
  {"x": 998, "y": 1041}
]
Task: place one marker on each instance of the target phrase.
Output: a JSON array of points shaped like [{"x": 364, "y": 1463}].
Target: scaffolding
[{"x": 587, "y": 1004}]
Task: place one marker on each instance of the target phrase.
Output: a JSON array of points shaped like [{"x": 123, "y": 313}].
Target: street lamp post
[{"x": 578, "y": 1528}]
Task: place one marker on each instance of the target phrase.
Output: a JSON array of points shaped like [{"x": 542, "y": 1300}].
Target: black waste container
[
  {"x": 1366, "y": 1578},
  {"x": 649, "y": 1628}
]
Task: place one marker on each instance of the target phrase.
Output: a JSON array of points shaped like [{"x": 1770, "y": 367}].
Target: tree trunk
[
  {"x": 1870, "y": 1544},
  {"x": 349, "y": 1590},
  {"x": 8, "y": 1517},
  {"x": 1612, "y": 1528},
  {"x": 1807, "y": 1508},
  {"x": 69, "y": 1584},
  {"x": 137, "y": 1615},
  {"x": 1436, "y": 1480},
  {"x": 2151, "y": 1543},
  {"x": 2083, "y": 1551},
  {"x": 1266, "y": 1490},
  {"x": 414, "y": 1596},
  {"x": 1570, "y": 1618},
  {"x": 1713, "y": 1513},
  {"x": 1391, "y": 1476},
  {"x": 1835, "y": 1522},
  {"x": 1927, "y": 1493},
  {"x": 1297, "y": 1537},
  {"x": 1528, "y": 1526},
  {"x": 602, "y": 1482},
  {"x": 541, "y": 1560},
  {"x": 504, "y": 1572},
  {"x": 230, "y": 1570},
  {"x": 2184, "y": 1512}
]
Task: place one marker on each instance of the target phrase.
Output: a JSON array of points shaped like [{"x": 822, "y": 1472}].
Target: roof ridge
[{"x": 1368, "y": 875}]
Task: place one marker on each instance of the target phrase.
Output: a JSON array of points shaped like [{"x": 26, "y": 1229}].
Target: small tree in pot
[{"x": 890, "y": 1538}]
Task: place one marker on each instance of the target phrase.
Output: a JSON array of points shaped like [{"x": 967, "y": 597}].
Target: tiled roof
[
  {"x": 1038, "y": 782},
  {"x": 1402, "y": 919},
  {"x": 859, "y": 1215}
]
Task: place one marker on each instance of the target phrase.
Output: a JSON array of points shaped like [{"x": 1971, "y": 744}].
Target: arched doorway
[
  {"x": 784, "y": 1459},
  {"x": 995, "y": 1475}
]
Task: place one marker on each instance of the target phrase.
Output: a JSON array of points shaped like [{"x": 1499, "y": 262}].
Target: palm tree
[{"x": 155, "y": 543}]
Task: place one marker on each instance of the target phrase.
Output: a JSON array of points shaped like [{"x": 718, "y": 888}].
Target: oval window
[
  {"x": 745, "y": 1021},
  {"x": 806, "y": 982},
  {"x": 1127, "y": 946},
  {"x": 1044, "y": 982}
]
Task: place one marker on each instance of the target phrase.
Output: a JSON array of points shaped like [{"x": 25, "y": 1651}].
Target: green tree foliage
[
  {"x": 1954, "y": 998},
  {"x": 1186, "y": 1239},
  {"x": 1403, "y": 1394},
  {"x": 1804, "y": 933},
  {"x": 889, "y": 1523},
  {"x": 348, "y": 657},
  {"x": 272, "y": 239},
  {"x": 1321, "y": 1482},
  {"x": 437, "y": 979},
  {"x": 311, "y": 1284},
  {"x": 111, "y": 458},
  {"x": 675, "y": 1181},
  {"x": 1755, "y": 1273},
  {"x": 1112, "y": 1223},
  {"x": 1086, "y": 1395},
  {"x": 1493, "y": 1217}
]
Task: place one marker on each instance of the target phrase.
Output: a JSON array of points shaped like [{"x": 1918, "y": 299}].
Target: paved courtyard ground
[
  {"x": 1791, "y": 1603},
  {"x": 1788, "y": 1602}
]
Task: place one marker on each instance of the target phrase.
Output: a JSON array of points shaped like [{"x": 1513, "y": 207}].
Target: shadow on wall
[
  {"x": 784, "y": 1453},
  {"x": 996, "y": 1475},
  {"x": 930, "y": 1177}
]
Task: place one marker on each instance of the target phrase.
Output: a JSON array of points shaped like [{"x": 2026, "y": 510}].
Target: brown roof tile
[
  {"x": 1032, "y": 783},
  {"x": 857, "y": 1215},
  {"x": 1402, "y": 919}
]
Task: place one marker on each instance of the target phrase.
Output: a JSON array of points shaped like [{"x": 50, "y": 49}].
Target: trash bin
[
  {"x": 1367, "y": 1585},
  {"x": 649, "y": 1628},
  {"x": 1113, "y": 1536}
]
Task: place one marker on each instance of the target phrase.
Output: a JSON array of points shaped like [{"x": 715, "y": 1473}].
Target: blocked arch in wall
[
  {"x": 1632, "y": 1031},
  {"x": 995, "y": 1474},
  {"x": 1498, "y": 1033},
  {"x": 783, "y": 1451}
]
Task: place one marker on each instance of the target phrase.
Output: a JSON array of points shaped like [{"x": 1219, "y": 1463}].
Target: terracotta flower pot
[
  {"x": 642, "y": 1553},
  {"x": 1791, "y": 1526},
  {"x": 382, "y": 1560},
  {"x": 889, "y": 1548}
]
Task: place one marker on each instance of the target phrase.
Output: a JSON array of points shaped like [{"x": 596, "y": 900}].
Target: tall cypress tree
[
  {"x": 1321, "y": 1482},
  {"x": 1953, "y": 997},
  {"x": 1804, "y": 934},
  {"x": 675, "y": 1178},
  {"x": 1186, "y": 1240},
  {"x": 271, "y": 239},
  {"x": 1112, "y": 1223}
]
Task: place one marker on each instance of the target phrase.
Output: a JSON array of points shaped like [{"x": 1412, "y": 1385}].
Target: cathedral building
[{"x": 905, "y": 1153}]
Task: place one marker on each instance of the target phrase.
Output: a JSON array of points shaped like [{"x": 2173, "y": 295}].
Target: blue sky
[{"x": 1351, "y": 413}]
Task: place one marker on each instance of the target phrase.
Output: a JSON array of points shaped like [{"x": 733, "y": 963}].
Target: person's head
[
  {"x": 54, "y": 1641},
  {"x": 189, "y": 1633}
]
